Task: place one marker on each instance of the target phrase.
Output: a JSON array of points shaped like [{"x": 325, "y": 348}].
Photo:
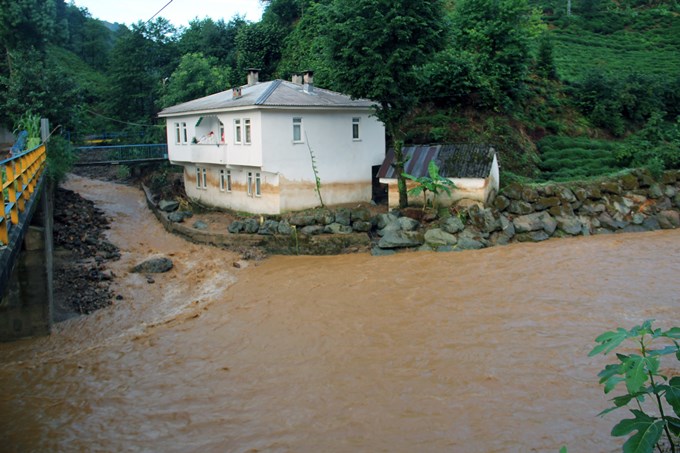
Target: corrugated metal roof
[
  {"x": 453, "y": 160},
  {"x": 276, "y": 93}
]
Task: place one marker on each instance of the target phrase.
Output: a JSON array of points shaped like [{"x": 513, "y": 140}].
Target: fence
[
  {"x": 120, "y": 154},
  {"x": 20, "y": 175}
]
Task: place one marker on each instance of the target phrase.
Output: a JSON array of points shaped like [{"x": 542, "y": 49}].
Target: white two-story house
[{"x": 252, "y": 148}]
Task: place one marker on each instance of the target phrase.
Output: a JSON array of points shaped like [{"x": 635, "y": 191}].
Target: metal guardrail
[
  {"x": 20, "y": 175},
  {"x": 120, "y": 154}
]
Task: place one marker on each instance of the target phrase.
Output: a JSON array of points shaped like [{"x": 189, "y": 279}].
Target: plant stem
[{"x": 658, "y": 399}]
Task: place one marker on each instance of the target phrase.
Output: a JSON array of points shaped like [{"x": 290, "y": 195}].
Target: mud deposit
[{"x": 481, "y": 351}]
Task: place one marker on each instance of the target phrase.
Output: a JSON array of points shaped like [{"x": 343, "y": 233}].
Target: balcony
[{"x": 217, "y": 154}]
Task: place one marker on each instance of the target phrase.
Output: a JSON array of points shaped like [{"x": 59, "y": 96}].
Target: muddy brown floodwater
[{"x": 480, "y": 351}]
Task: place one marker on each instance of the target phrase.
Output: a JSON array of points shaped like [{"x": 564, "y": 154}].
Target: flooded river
[{"x": 480, "y": 351}]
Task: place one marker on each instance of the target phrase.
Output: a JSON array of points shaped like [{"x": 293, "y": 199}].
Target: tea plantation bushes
[{"x": 566, "y": 158}]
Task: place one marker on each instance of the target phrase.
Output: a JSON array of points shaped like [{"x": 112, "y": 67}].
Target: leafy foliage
[
  {"x": 640, "y": 373},
  {"x": 433, "y": 183},
  {"x": 196, "y": 76}
]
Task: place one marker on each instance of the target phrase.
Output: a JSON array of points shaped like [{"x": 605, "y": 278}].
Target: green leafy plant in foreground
[
  {"x": 643, "y": 381},
  {"x": 433, "y": 182}
]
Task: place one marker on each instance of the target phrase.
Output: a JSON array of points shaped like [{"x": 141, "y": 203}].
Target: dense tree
[
  {"x": 375, "y": 47},
  {"x": 496, "y": 35},
  {"x": 258, "y": 45},
  {"x": 196, "y": 76},
  {"x": 141, "y": 60},
  {"x": 212, "y": 39}
]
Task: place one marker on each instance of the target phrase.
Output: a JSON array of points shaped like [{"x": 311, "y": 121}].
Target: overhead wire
[{"x": 159, "y": 11}]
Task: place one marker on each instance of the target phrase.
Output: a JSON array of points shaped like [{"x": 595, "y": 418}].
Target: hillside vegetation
[{"x": 560, "y": 94}]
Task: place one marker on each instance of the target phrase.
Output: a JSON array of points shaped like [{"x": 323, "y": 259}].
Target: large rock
[
  {"x": 312, "y": 230},
  {"x": 486, "y": 220},
  {"x": 362, "y": 226},
  {"x": 385, "y": 219},
  {"x": 513, "y": 191},
  {"x": 408, "y": 224},
  {"x": 337, "y": 228},
  {"x": 302, "y": 220},
  {"x": 507, "y": 227},
  {"x": 465, "y": 243},
  {"x": 399, "y": 239},
  {"x": 153, "y": 266},
  {"x": 394, "y": 225},
  {"x": 501, "y": 202},
  {"x": 437, "y": 236},
  {"x": 168, "y": 205},
  {"x": 629, "y": 182},
  {"x": 343, "y": 216},
  {"x": 570, "y": 225},
  {"x": 285, "y": 228},
  {"x": 668, "y": 219},
  {"x": 611, "y": 187},
  {"x": 534, "y": 222},
  {"x": 324, "y": 217},
  {"x": 529, "y": 194},
  {"x": 565, "y": 195},
  {"x": 610, "y": 223},
  {"x": 200, "y": 225},
  {"x": 269, "y": 227},
  {"x": 452, "y": 225},
  {"x": 532, "y": 236},
  {"x": 235, "y": 227},
  {"x": 362, "y": 214},
  {"x": 546, "y": 202},
  {"x": 655, "y": 191},
  {"x": 251, "y": 226},
  {"x": 520, "y": 207}
]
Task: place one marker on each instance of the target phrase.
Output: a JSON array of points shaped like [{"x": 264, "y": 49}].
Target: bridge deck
[{"x": 121, "y": 154}]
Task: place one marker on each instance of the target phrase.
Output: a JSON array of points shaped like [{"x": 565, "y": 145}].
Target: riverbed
[{"x": 475, "y": 351}]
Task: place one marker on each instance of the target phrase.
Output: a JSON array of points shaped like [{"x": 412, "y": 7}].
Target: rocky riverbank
[
  {"x": 81, "y": 279},
  {"x": 631, "y": 202}
]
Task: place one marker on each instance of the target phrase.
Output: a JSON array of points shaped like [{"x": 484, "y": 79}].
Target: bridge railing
[
  {"x": 20, "y": 175},
  {"x": 120, "y": 154}
]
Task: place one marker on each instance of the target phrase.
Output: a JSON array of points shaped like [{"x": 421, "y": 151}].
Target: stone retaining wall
[{"x": 521, "y": 213}]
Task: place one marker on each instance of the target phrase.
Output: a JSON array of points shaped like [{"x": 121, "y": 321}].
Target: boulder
[
  {"x": 565, "y": 195},
  {"x": 655, "y": 191},
  {"x": 465, "y": 243},
  {"x": 507, "y": 227},
  {"x": 343, "y": 216},
  {"x": 337, "y": 228},
  {"x": 399, "y": 239},
  {"x": 532, "y": 236},
  {"x": 485, "y": 220},
  {"x": 676, "y": 200},
  {"x": 168, "y": 205},
  {"x": 611, "y": 187},
  {"x": 609, "y": 222},
  {"x": 362, "y": 214},
  {"x": 408, "y": 224},
  {"x": 651, "y": 224},
  {"x": 580, "y": 193},
  {"x": 324, "y": 217},
  {"x": 362, "y": 226},
  {"x": 668, "y": 219},
  {"x": 452, "y": 225},
  {"x": 177, "y": 217},
  {"x": 520, "y": 207},
  {"x": 534, "y": 222},
  {"x": 284, "y": 228},
  {"x": 529, "y": 194},
  {"x": 385, "y": 219},
  {"x": 513, "y": 191},
  {"x": 629, "y": 182},
  {"x": 377, "y": 251},
  {"x": 437, "y": 236},
  {"x": 312, "y": 230},
  {"x": 546, "y": 202},
  {"x": 268, "y": 228},
  {"x": 394, "y": 225},
  {"x": 251, "y": 226},
  {"x": 570, "y": 225},
  {"x": 501, "y": 202},
  {"x": 302, "y": 220},
  {"x": 235, "y": 227},
  {"x": 153, "y": 266}
]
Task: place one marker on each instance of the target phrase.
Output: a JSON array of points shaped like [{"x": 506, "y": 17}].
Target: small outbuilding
[{"x": 472, "y": 168}]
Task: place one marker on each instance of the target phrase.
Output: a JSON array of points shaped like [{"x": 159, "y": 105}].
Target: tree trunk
[
  {"x": 399, "y": 169},
  {"x": 568, "y": 7}
]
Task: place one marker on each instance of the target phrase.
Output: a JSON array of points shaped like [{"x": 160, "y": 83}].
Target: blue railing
[{"x": 120, "y": 154}]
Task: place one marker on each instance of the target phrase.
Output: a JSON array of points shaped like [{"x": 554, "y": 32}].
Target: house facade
[
  {"x": 256, "y": 148},
  {"x": 472, "y": 168}
]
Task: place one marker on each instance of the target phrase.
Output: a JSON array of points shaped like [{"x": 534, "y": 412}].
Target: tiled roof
[
  {"x": 276, "y": 93},
  {"x": 454, "y": 161}
]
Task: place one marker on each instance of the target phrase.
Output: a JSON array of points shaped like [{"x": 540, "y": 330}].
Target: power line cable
[
  {"x": 119, "y": 121},
  {"x": 159, "y": 11}
]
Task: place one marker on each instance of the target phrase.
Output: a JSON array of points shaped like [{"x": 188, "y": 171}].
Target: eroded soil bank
[{"x": 468, "y": 352}]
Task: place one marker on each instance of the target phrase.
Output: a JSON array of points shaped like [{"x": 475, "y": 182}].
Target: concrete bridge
[{"x": 26, "y": 293}]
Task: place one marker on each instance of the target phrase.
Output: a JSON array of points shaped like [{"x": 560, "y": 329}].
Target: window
[
  {"x": 355, "y": 128},
  {"x": 222, "y": 132},
  {"x": 297, "y": 130},
  {"x": 246, "y": 125},
  {"x": 198, "y": 178},
  {"x": 258, "y": 185},
  {"x": 225, "y": 180},
  {"x": 205, "y": 179},
  {"x": 185, "y": 135},
  {"x": 237, "y": 131},
  {"x": 250, "y": 183},
  {"x": 178, "y": 134}
]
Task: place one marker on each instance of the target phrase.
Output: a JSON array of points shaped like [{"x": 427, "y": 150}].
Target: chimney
[
  {"x": 297, "y": 79},
  {"x": 236, "y": 92},
  {"x": 308, "y": 86},
  {"x": 253, "y": 76}
]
